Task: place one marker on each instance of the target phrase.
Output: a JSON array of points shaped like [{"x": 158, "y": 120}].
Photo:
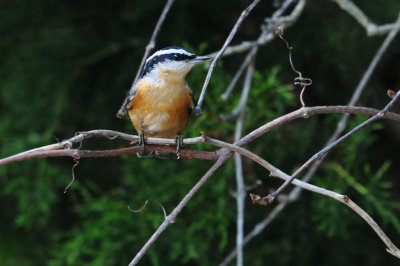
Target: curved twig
[
  {"x": 357, "y": 14},
  {"x": 223, "y": 155},
  {"x": 295, "y": 193},
  {"x": 64, "y": 148}
]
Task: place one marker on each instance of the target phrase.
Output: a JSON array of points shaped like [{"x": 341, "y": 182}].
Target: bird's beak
[{"x": 199, "y": 59}]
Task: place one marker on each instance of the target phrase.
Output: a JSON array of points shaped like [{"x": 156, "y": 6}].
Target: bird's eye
[{"x": 177, "y": 57}]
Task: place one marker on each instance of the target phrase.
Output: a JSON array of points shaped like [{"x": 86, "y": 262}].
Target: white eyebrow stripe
[{"x": 169, "y": 51}]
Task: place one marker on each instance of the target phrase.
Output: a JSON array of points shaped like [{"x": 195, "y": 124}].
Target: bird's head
[{"x": 172, "y": 60}]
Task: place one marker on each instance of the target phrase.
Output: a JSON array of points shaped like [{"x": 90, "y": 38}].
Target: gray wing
[
  {"x": 130, "y": 96},
  {"x": 191, "y": 96},
  {"x": 125, "y": 104}
]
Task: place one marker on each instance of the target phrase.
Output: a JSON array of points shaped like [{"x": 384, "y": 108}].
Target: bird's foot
[
  {"x": 142, "y": 139},
  {"x": 142, "y": 142},
  {"x": 179, "y": 146}
]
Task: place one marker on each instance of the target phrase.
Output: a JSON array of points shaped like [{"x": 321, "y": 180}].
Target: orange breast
[{"x": 160, "y": 111}]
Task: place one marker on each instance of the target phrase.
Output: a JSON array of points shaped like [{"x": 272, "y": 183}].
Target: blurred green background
[{"x": 66, "y": 66}]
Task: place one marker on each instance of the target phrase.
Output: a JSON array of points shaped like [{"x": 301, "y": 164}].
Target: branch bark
[{"x": 66, "y": 145}]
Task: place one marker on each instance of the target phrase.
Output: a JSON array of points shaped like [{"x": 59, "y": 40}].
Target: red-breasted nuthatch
[{"x": 161, "y": 101}]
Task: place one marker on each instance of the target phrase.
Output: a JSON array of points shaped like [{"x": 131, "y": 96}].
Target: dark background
[{"x": 66, "y": 66}]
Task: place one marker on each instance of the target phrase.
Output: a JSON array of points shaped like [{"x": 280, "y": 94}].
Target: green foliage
[
  {"x": 329, "y": 217},
  {"x": 376, "y": 192}
]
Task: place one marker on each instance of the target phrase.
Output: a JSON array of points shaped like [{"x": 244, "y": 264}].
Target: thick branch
[
  {"x": 77, "y": 153},
  {"x": 111, "y": 134}
]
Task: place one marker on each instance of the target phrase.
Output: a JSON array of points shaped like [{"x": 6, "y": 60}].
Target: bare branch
[
  {"x": 250, "y": 56},
  {"x": 223, "y": 155},
  {"x": 357, "y": 94},
  {"x": 295, "y": 193},
  {"x": 270, "y": 198},
  {"x": 245, "y": 92},
  {"x": 392, "y": 249},
  {"x": 64, "y": 148},
  {"x": 258, "y": 228},
  {"x": 267, "y": 36},
  {"x": 158, "y": 144},
  {"x": 370, "y": 27},
  {"x": 171, "y": 217},
  {"x": 289, "y": 20},
  {"x": 240, "y": 187},
  {"x": 77, "y": 153},
  {"x": 341, "y": 125},
  {"x": 228, "y": 40},
  {"x": 254, "y": 50}
]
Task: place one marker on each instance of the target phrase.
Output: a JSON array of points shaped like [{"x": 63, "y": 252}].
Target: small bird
[{"x": 161, "y": 101}]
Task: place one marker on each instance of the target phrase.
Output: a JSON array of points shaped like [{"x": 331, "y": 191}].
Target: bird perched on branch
[{"x": 161, "y": 101}]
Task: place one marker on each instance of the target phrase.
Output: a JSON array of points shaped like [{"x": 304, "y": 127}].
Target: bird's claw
[
  {"x": 142, "y": 142},
  {"x": 179, "y": 146},
  {"x": 142, "y": 139}
]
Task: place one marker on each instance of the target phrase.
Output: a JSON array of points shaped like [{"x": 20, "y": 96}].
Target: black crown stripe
[{"x": 173, "y": 56}]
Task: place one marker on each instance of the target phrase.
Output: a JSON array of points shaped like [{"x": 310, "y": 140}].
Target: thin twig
[
  {"x": 240, "y": 195},
  {"x": 144, "y": 206},
  {"x": 290, "y": 19},
  {"x": 378, "y": 56},
  {"x": 228, "y": 40},
  {"x": 245, "y": 93},
  {"x": 171, "y": 217},
  {"x": 258, "y": 228},
  {"x": 246, "y": 62},
  {"x": 240, "y": 186},
  {"x": 271, "y": 197},
  {"x": 64, "y": 148},
  {"x": 299, "y": 80},
  {"x": 149, "y": 48},
  {"x": 224, "y": 155},
  {"x": 265, "y": 32},
  {"x": 287, "y": 21},
  {"x": 341, "y": 125},
  {"x": 392, "y": 249},
  {"x": 282, "y": 8},
  {"x": 73, "y": 175},
  {"x": 370, "y": 27}
]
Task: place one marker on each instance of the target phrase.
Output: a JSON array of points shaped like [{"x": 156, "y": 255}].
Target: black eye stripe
[{"x": 165, "y": 57}]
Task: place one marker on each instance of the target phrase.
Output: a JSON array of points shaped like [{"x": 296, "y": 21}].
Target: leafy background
[{"x": 66, "y": 67}]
